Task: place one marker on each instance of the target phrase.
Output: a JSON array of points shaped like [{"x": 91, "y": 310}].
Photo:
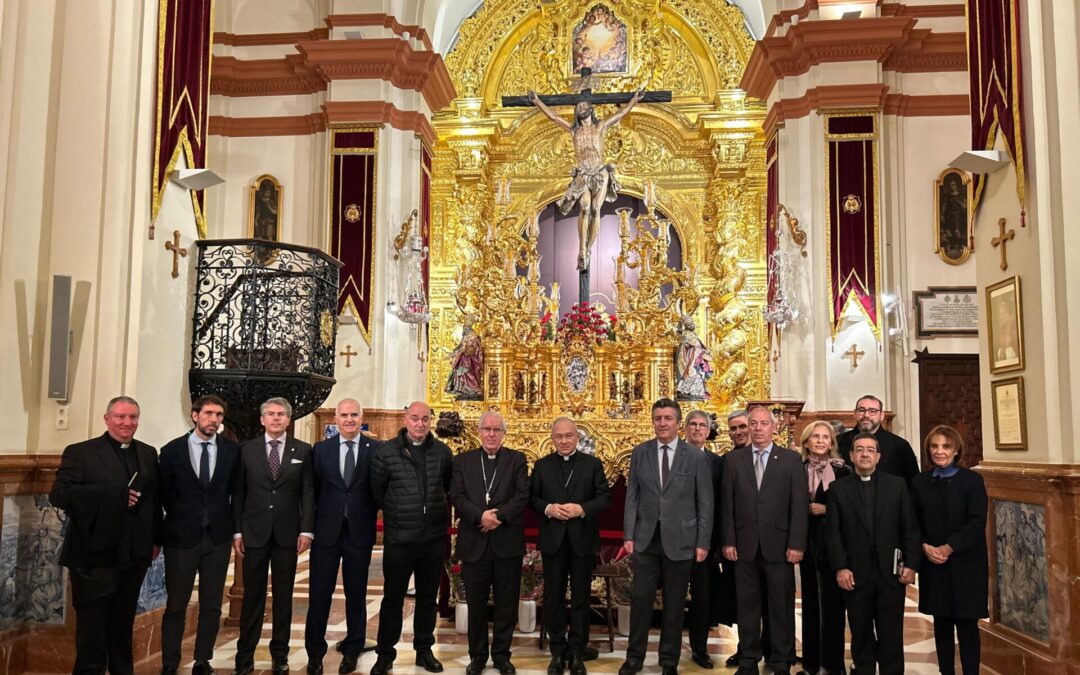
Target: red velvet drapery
[{"x": 353, "y": 155}]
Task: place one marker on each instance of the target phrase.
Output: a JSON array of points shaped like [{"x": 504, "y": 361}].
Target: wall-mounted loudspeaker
[{"x": 60, "y": 338}]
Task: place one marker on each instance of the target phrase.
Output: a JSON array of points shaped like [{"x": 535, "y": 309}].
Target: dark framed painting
[
  {"x": 600, "y": 42},
  {"x": 953, "y": 236},
  {"x": 265, "y": 197},
  {"x": 1005, "y": 321}
]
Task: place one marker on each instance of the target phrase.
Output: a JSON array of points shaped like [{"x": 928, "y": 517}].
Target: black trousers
[
  {"x": 653, "y": 568},
  {"x": 704, "y": 579},
  {"x": 774, "y": 582},
  {"x": 967, "y": 632},
  {"x": 325, "y": 559},
  {"x": 559, "y": 568},
  {"x": 876, "y": 616},
  {"x": 210, "y": 562},
  {"x": 280, "y": 562},
  {"x": 823, "y": 618},
  {"x": 104, "y": 600},
  {"x": 500, "y": 578},
  {"x": 400, "y": 561}
]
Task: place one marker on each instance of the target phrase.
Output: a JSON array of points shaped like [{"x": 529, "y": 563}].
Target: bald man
[{"x": 410, "y": 480}]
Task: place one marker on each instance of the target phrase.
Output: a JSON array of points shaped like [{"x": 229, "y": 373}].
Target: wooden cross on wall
[
  {"x": 177, "y": 252},
  {"x": 854, "y": 354},
  {"x": 348, "y": 354},
  {"x": 586, "y": 94},
  {"x": 1002, "y": 240}
]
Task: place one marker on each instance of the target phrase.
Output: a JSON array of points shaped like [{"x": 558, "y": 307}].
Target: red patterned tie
[{"x": 275, "y": 459}]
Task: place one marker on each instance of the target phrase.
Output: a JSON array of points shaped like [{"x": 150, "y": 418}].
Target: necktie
[
  {"x": 275, "y": 459},
  {"x": 204, "y": 465},
  {"x": 350, "y": 462},
  {"x": 665, "y": 467},
  {"x": 759, "y": 466}
]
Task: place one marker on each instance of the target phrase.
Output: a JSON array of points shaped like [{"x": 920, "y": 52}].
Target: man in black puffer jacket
[{"x": 410, "y": 478}]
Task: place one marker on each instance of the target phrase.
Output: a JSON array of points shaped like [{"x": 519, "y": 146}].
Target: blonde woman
[{"x": 822, "y": 600}]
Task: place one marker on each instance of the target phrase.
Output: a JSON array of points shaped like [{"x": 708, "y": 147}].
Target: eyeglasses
[
  {"x": 868, "y": 411},
  {"x": 492, "y": 430}
]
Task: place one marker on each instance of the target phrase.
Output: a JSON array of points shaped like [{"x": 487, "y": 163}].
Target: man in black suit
[
  {"x": 410, "y": 478},
  {"x": 489, "y": 489},
  {"x": 765, "y": 505},
  {"x": 705, "y": 577},
  {"x": 568, "y": 490},
  {"x": 274, "y": 508},
  {"x": 897, "y": 457},
  {"x": 869, "y": 518},
  {"x": 108, "y": 487},
  {"x": 196, "y": 477},
  {"x": 345, "y": 514},
  {"x": 667, "y": 523}
]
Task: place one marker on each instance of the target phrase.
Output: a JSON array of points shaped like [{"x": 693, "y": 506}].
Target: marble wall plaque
[{"x": 1020, "y": 540}]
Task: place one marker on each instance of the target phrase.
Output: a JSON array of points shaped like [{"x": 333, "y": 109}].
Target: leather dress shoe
[
  {"x": 383, "y": 665},
  {"x": 747, "y": 670},
  {"x": 348, "y": 664},
  {"x": 702, "y": 659},
  {"x": 428, "y": 662},
  {"x": 629, "y": 668},
  {"x": 732, "y": 661},
  {"x": 245, "y": 669},
  {"x": 280, "y": 665},
  {"x": 577, "y": 666},
  {"x": 505, "y": 667},
  {"x": 202, "y": 668},
  {"x": 476, "y": 666},
  {"x": 589, "y": 653},
  {"x": 556, "y": 666},
  {"x": 669, "y": 670},
  {"x": 314, "y": 667}
]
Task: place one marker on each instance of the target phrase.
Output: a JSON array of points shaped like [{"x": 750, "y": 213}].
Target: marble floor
[{"x": 452, "y": 648}]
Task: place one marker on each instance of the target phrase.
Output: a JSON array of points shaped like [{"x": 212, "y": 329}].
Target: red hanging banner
[
  {"x": 185, "y": 37},
  {"x": 993, "y": 40},
  {"x": 851, "y": 185},
  {"x": 352, "y": 174}
]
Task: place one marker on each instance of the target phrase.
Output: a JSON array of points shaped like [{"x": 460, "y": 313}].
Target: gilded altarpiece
[{"x": 495, "y": 168}]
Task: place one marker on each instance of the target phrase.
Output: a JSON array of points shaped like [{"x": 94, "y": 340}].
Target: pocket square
[{"x": 296, "y": 461}]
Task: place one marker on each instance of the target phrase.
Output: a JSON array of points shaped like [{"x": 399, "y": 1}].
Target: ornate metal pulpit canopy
[{"x": 264, "y": 325}]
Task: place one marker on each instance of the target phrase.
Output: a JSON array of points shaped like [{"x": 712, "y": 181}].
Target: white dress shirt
[
  {"x": 343, "y": 450},
  {"x": 672, "y": 444},
  {"x": 195, "y": 451}
]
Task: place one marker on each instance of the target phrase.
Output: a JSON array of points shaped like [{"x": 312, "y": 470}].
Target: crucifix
[
  {"x": 177, "y": 252},
  {"x": 348, "y": 354},
  {"x": 854, "y": 354},
  {"x": 1003, "y": 240},
  {"x": 592, "y": 181}
]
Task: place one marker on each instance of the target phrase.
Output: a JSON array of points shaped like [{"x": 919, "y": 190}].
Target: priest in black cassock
[
  {"x": 897, "y": 457},
  {"x": 108, "y": 487}
]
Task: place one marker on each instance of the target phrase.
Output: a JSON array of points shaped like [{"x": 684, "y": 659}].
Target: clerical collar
[
  {"x": 490, "y": 455},
  {"x": 865, "y": 478},
  {"x": 567, "y": 458},
  {"x": 117, "y": 443}
]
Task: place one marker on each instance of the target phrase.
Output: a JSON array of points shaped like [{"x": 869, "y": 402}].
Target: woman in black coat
[
  {"x": 822, "y": 599},
  {"x": 951, "y": 505}
]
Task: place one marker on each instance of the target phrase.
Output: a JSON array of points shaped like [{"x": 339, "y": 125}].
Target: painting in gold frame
[
  {"x": 600, "y": 42},
  {"x": 265, "y": 197},
  {"x": 1010, "y": 415},
  {"x": 1005, "y": 324},
  {"x": 953, "y": 236}
]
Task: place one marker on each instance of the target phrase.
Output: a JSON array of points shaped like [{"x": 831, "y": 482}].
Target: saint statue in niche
[
  {"x": 467, "y": 366},
  {"x": 265, "y": 208},
  {"x": 693, "y": 364},
  {"x": 592, "y": 181}
]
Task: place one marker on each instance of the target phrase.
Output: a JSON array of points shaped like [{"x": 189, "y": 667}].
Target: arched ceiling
[{"x": 449, "y": 14}]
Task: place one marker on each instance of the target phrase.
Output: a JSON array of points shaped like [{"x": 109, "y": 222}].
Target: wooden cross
[
  {"x": 585, "y": 93},
  {"x": 1003, "y": 240},
  {"x": 348, "y": 354},
  {"x": 854, "y": 354},
  {"x": 177, "y": 252}
]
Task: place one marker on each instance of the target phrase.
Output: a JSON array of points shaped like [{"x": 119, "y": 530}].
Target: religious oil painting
[
  {"x": 1005, "y": 320},
  {"x": 264, "y": 208},
  {"x": 31, "y": 578},
  {"x": 600, "y": 42},
  {"x": 1020, "y": 555},
  {"x": 953, "y": 240}
]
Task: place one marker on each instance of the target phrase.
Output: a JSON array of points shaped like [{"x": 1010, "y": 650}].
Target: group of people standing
[{"x": 853, "y": 512}]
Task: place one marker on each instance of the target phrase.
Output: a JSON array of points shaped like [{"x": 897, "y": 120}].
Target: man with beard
[
  {"x": 196, "y": 475},
  {"x": 410, "y": 480},
  {"x": 897, "y": 457}
]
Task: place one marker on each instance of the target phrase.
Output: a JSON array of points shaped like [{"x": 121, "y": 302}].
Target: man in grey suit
[
  {"x": 274, "y": 508},
  {"x": 765, "y": 506},
  {"x": 667, "y": 523}
]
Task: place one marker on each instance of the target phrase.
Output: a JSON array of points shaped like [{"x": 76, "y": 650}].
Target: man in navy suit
[
  {"x": 195, "y": 476},
  {"x": 345, "y": 513}
]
